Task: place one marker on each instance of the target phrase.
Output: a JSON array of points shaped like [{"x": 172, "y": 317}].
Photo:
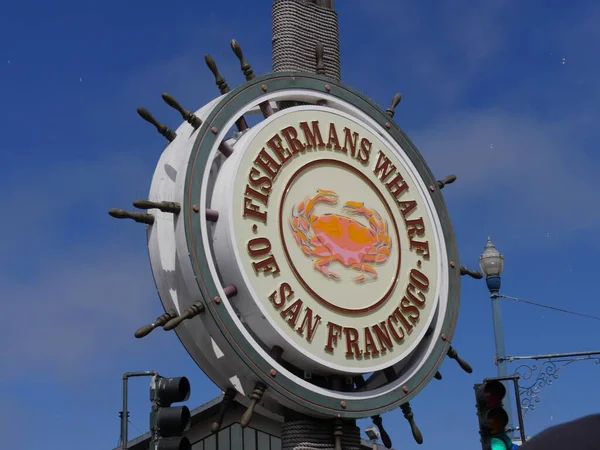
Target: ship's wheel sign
[{"x": 307, "y": 262}]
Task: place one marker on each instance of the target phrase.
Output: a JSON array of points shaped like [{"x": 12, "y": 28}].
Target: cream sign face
[{"x": 332, "y": 240}]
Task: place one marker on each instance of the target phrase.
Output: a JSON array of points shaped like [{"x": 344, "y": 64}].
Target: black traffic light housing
[
  {"x": 168, "y": 423},
  {"x": 489, "y": 396}
]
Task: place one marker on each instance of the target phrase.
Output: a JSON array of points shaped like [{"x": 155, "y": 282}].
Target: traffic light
[
  {"x": 168, "y": 423},
  {"x": 490, "y": 411}
]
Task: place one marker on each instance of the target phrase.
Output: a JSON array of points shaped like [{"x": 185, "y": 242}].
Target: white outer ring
[{"x": 210, "y": 352}]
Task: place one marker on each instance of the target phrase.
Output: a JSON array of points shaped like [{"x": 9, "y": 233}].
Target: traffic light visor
[
  {"x": 497, "y": 417},
  {"x": 173, "y": 421},
  {"x": 491, "y": 394},
  {"x": 172, "y": 390}
]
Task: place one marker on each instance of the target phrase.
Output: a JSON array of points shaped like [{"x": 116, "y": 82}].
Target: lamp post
[{"x": 491, "y": 263}]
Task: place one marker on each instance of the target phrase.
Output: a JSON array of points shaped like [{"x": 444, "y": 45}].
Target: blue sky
[{"x": 502, "y": 93}]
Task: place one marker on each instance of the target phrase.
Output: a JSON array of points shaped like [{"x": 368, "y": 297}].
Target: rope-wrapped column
[
  {"x": 303, "y": 433},
  {"x": 351, "y": 436},
  {"x": 298, "y": 26}
]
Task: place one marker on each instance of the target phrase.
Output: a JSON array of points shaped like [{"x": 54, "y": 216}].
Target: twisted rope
[
  {"x": 298, "y": 25},
  {"x": 317, "y": 435}
]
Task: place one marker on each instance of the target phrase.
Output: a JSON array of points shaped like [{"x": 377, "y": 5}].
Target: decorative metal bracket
[{"x": 542, "y": 372}]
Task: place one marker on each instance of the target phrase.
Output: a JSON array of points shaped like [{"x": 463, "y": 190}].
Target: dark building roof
[{"x": 201, "y": 414}]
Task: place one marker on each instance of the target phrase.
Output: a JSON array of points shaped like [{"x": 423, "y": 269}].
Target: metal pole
[
  {"x": 501, "y": 361},
  {"x": 519, "y": 412},
  {"x": 125, "y": 413},
  {"x": 583, "y": 355}
]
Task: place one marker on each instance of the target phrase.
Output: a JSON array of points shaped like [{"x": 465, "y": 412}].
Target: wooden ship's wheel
[{"x": 307, "y": 263}]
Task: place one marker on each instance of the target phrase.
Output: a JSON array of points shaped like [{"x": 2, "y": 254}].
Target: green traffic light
[{"x": 493, "y": 419}]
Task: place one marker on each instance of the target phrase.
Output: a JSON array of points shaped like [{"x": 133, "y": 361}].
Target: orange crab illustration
[{"x": 335, "y": 237}]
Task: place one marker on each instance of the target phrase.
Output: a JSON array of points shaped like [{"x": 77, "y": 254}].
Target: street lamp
[{"x": 491, "y": 263}]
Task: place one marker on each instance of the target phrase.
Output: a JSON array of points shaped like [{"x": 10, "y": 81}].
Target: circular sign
[
  {"x": 330, "y": 237},
  {"x": 313, "y": 254}
]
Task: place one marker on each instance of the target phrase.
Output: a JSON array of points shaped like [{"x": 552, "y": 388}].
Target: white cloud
[
  {"x": 439, "y": 52},
  {"x": 444, "y": 46},
  {"x": 528, "y": 167},
  {"x": 76, "y": 282},
  {"x": 185, "y": 75},
  {"x": 72, "y": 317},
  {"x": 67, "y": 195}
]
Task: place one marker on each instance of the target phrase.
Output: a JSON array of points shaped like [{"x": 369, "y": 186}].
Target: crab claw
[
  {"x": 354, "y": 207},
  {"x": 326, "y": 196},
  {"x": 327, "y": 192}
]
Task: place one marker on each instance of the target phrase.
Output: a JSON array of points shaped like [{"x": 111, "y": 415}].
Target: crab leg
[
  {"x": 301, "y": 239},
  {"x": 378, "y": 226},
  {"x": 321, "y": 265},
  {"x": 364, "y": 268},
  {"x": 378, "y": 255}
]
